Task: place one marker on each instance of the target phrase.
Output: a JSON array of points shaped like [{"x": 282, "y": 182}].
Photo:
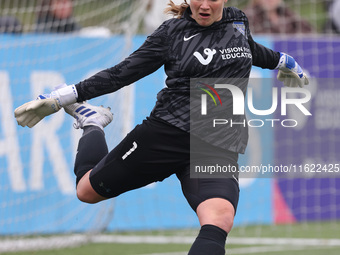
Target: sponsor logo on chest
[{"x": 225, "y": 54}]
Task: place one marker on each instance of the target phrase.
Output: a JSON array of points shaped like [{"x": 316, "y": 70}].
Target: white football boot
[{"x": 89, "y": 115}]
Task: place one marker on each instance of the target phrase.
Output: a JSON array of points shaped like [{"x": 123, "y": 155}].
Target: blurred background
[
  {"x": 44, "y": 43},
  {"x": 111, "y": 14}
]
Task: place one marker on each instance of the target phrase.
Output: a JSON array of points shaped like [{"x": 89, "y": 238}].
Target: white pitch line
[
  {"x": 143, "y": 239},
  {"x": 55, "y": 242},
  {"x": 284, "y": 241},
  {"x": 231, "y": 240},
  {"x": 249, "y": 250},
  {"x": 41, "y": 243},
  {"x": 262, "y": 249}
]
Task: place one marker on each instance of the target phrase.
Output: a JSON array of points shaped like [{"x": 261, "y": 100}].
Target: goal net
[
  {"x": 37, "y": 183},
  {"x": 309, "y": 200}
]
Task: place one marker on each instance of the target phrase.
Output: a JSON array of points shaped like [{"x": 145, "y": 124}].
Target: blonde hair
[{"x": 176, "y": 10}]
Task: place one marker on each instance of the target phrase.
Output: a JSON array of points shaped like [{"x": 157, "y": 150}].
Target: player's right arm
[
  {"x": 147, "y": 59},
  {"x": 144, "y": 61},
  {"x": 30, "y": 113}
]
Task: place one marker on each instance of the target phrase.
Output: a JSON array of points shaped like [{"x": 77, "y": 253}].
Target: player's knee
[
  {"x": 85, "y": 192},
  {"x": 226, "y": 222},
  {"x": 88, "y": 195},
  {"x": 217, "y": 212},
  {"x": 221, "y": 219}
]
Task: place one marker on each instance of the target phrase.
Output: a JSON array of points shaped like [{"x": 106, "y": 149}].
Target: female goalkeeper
[{"x": 188, "y": 46}]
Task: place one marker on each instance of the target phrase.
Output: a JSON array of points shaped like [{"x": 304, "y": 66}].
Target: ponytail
[{"x": 176, "y": 10}]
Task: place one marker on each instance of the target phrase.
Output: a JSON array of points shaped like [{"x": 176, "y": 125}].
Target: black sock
[
  {"x": 210, "y": 241},
  {"x": 91, "y": 149}
]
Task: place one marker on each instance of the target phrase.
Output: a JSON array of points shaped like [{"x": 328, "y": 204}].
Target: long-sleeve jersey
[{"x": 188, "y": 50}]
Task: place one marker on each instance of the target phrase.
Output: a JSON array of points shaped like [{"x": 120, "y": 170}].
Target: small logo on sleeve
[{"x": 239, "y": 25}]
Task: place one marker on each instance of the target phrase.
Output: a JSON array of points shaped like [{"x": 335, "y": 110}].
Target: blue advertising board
[
  {"x": 36, "y": 165},
  {"x": 313, "y": 147}
]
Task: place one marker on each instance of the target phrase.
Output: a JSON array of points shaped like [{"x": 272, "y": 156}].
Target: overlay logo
[
  {"x": 288, "y": 97},
  {"x": 204, "y": 98}
]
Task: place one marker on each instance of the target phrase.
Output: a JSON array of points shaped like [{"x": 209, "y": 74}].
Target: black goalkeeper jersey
[{"x": 188, "y": 50}]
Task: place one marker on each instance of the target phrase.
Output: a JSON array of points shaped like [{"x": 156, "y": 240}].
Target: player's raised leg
[{"x": 92, "y": 145}]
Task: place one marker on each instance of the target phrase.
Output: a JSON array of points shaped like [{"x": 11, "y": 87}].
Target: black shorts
[{"x": 152, "y": 152}]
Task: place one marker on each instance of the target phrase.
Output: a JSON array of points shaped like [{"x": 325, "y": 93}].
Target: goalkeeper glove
[
  {"x": 290, "y": 73},
  {"x": 29, "y": 114}
]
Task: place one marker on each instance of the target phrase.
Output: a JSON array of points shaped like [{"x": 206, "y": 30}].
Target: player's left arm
[
  {"x": 290, "y": 72},
  {"x": 262, "y": 56}
]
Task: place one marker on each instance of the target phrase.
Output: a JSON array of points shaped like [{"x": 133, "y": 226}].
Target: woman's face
[
  {"x": 206, "y": 12},
  {"x": 62, "y": 9}
]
